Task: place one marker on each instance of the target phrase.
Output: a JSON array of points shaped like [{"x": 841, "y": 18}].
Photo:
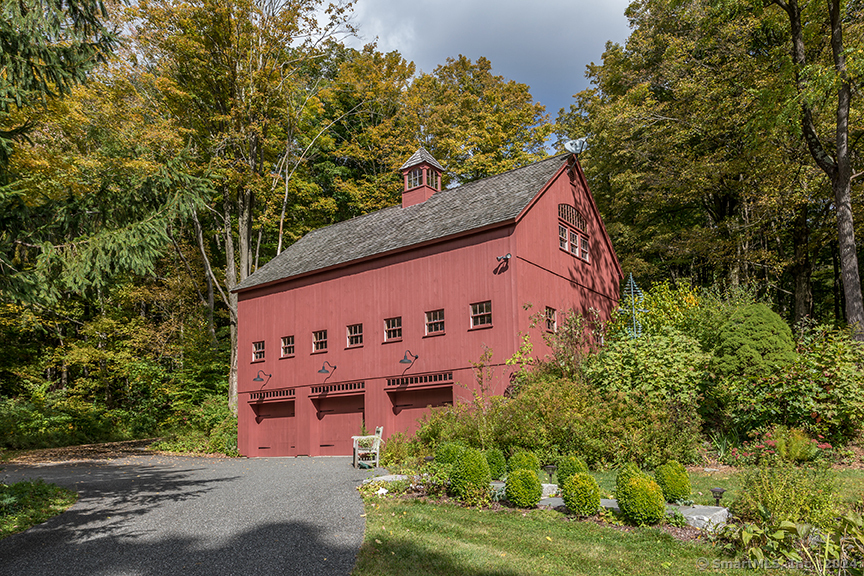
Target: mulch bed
[{"x": 104, "y": 451}]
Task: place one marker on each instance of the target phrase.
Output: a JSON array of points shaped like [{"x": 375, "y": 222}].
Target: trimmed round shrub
[
  {"x": 753, "y": 342},
  {"x": 497, "y": 463},
  {"x": 448, "y": 452},
  {"x": 470, "y": 478},
  {"x": 625, "y": 474},
  {"x": 523, "y": 488},
  {"x": 567, "y": 467},
  {"x": 642, "y": 501},
  {"x": 524, "y": 461},
  {"x": 673, "y": 480},
  {"x": 581, "y": 494}
]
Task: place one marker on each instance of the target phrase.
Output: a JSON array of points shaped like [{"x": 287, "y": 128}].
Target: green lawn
[
  {"x": 25, "y": 504},
  {"x": 411, "y": 537}
]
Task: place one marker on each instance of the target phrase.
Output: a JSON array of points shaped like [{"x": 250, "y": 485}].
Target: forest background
[{"x": 153, "y": 155}]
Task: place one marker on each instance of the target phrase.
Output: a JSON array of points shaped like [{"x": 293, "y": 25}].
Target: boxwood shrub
[
  {"x": 625, "y": 474},
  {"x": 523, "y": 488},
  {"x": 524, "y": 461},
  {"x": 497, "y": 463},
  {"x": 673, "y": 480},
  {"x": 470, "y": 478},
  {"x": 642, "y": 501},
  {"x": 567, "y": 467},
  {"x": 448, "y": 452},
  {"x": 581, "y": 494}
]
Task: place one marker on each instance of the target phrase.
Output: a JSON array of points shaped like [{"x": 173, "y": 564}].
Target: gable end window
[
  {"x": 573, "y": 232},
  {"x": 355, "y": 335},
  {"x": 435, "y": 322},
  {"x": 319, "y": 341},
  {"x": 393, "y": 329},
  {"x": 287, "y": 346},
  {"x": 257, "y": 351},
  {"x": 481, "y": 314}
]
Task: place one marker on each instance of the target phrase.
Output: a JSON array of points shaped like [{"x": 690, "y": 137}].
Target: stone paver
[{"x": 161, "y": 515}]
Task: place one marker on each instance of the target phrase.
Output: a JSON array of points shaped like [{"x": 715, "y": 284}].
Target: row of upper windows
[
  {"x": 573, "y": 232},
  {"x": 480, "y": 316}
]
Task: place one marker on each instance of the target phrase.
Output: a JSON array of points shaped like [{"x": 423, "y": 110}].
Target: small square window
[
  {"x": 551, "y": 319},
  {"x": 574, "y": 243},
  {"x": 258, "y": 351},
  {"x": 435, "y": 322},
  {"x": 562, "y": 237},
  {"x": 319, "y": 341},
  {"x": 287, "y": 346},
  {"x": 355, "y": 335},
  {"x": 481, "y": 314},
  {"x": 583, "y": 243},
  {"x": 393, "y": 329}
]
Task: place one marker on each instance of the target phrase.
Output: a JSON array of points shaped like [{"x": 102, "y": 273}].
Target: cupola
[{"x": 422, "y": 178}]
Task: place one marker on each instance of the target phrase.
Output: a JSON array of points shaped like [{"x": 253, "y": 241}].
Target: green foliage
[
  {"x": 673, "y": 479},
  {"x": 622, "y": 479},
  {"x": 677, "y": 519},
  {"x": 666, "y": 367},
  {"x": 399, "y": 450},
  {"x": 470, "y": 478},
  {"x": 524, "y": 460},
  {"x": 821, "y": 392},
  {"x": 523, "y": 488},
  {"x": 568, "y": 466},
  {"x": 793, "y": 444},
  {"x": 581, "y": 494},
  {"x": 497, "y": 463},
  {"x": 753, "y": 342},
  {"x": 25, "y": 504},
  {"x": 209, "y": 428},
  {"x": 777, "y": 491},
  {"x": 641, "y": 501},
  {"x": 448, "y": 452}
]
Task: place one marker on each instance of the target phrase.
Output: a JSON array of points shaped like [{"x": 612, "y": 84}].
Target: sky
[{"x": 545, "y": 43}]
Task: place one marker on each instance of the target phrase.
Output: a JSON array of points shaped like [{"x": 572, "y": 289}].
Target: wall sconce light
[
  {"x": 505, "y": 257},
  {"x": 405, "y": 360},
  {"x": 258, "y": 377},
  {"x": 324, "y": 370}
]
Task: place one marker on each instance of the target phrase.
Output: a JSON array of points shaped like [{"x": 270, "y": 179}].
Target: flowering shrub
[{"x": 789, "y": 444}]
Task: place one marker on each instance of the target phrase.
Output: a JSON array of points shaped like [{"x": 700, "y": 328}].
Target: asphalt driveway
[{"x": 160, "y": 515}]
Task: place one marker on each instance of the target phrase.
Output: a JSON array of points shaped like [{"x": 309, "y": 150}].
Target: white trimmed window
[
  {"x": 481, "y": 314},
  {"x": 574, "y": 243},
  {"x": 562, "y": 237},
  {"x": 583, "y": 251},
  {"x": 393, "y": 329},
  {"x": 319, "y": 341},
  {"x": 431, "y": 178},
  {"x": 257, "y": 351},
  {"x": 355, "y": 335},
  {"x": 435, "y": 322},
  {"x": 287, "y": 346},
  {"x": 415, "y": 178}
]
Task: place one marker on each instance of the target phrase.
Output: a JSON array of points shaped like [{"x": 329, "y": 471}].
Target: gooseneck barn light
[
  {"x": 405, "y": 360},
  {"x": 324, "y": 370},
  {"x": 258, "y": 377}
]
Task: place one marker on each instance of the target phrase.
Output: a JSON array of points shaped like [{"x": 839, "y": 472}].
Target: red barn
[{"x": 377, "y": 318}]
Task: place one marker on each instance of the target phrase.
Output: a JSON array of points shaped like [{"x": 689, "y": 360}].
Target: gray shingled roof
[
  {"x": 420, "y": 156},
  {"x": 492, "y": 200}
]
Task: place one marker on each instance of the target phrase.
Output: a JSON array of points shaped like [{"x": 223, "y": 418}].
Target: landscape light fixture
[
  {"x": 505, "y": 257},
  {"x": 717, "y": 493},
  {"x": 258, "y": 377},
  {"x": 324, "y": 370},
  {"x": 550, "y": 469},
  {"x": 405, "y": 359}
]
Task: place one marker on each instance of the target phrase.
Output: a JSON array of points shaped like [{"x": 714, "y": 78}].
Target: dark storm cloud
[{"x": 545, "y": 44}]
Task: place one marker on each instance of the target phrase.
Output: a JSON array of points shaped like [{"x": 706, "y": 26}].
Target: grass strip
[
  {"x": 412, "y": 537},
  {"x": 25, "y": 504}
]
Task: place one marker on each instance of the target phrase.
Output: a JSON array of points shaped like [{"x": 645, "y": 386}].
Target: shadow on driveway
[{"x": 158, "y": 515}]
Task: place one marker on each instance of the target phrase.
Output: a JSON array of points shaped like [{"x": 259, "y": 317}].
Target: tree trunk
[
  {"x": 231, "y": 282},
  {"x": 838, "y": 167}
]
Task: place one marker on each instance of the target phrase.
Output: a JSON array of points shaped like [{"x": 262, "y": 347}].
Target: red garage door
[
  {"x": 340, "y": 419},
  {"x": 275, "y": 430}
]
